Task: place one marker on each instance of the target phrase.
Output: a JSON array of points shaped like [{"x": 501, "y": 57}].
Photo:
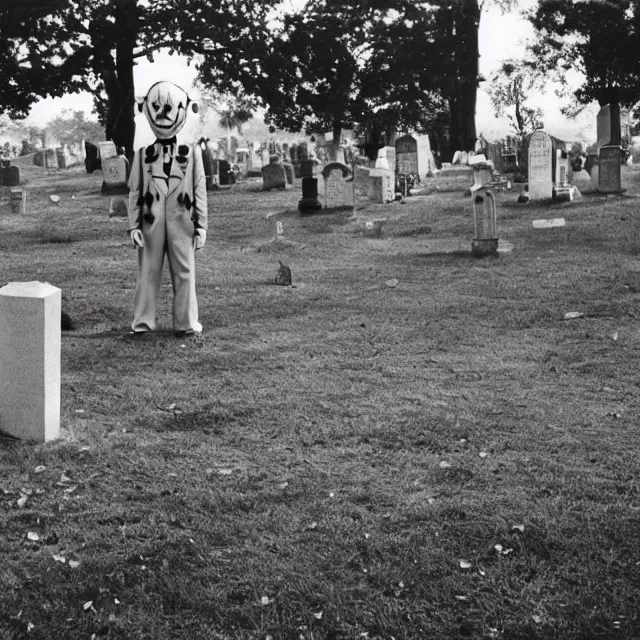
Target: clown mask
[{"x": 165, "y": 107}]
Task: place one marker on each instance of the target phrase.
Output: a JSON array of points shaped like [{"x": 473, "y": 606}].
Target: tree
[
  {"x": 597, "y": 38},
  {"x": 510, "y": 88},
  {"x": 70, "y": 127},
  {"x": 236, "y": 113},
  {"x": 61, "y": 46}
]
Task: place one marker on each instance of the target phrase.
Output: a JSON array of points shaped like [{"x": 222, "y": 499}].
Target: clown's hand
[
  {"x": 199, "y": 238},
  {"x": 136, "y": 238}
]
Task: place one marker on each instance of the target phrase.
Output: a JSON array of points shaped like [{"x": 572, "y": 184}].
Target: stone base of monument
[
  {"x": 564, "y": 194},
  {"x": 18, "y": 201},
  {"x": 308, "y": 205},
  {"x": 118, "y": 208},
  {"x": 309, "y": 201},
  {"x": 484, "y": 248},
  {"x": 120, "y": 189}
]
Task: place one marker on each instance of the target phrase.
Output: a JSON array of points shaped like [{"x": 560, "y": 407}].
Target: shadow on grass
[{"x": 209, "y": 420}]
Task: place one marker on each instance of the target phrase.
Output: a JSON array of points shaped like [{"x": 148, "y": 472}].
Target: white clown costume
[{"x": 167, "y": 211}]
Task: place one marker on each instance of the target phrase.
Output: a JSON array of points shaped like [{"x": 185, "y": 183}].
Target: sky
[{"x": 500, "y": 36}]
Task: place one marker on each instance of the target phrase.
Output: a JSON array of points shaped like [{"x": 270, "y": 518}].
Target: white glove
[
  {"x": 136, "y": 238},
  {"x": 199, "y": 238}
]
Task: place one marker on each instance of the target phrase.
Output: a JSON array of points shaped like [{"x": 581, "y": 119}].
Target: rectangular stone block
[
  {"x": 30, "y": 360},
  {"x": 18, "y": 201}
]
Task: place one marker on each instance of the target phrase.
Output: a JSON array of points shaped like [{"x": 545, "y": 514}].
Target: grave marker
[
  {"x": 382, "y": 187},
  {"x": 540, "y": 166},
  {"x": 18, "y": 201},
  {"x": 114, "y": 170},
  {"x": 30, "y": 360},
  {"x": 273, "y": 177},
  {"x": 107, "y": 150},
  {"x": 288, "y": 172},
  {"x": 337, "y": 193},
  {"x": 50, "y": 159},
  {"x": 609, "y": 178},
  {"x": 11, "y": 177}
]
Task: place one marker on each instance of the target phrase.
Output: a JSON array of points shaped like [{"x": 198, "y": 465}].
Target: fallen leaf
[
  {"x": 498, "y": 547},
  {"x": 265, "y": 600},
  {"x": 318, "y": 615},
  {"x": 34, "y": 537},
  {"x": 22, "y": 500},
  {"x": 332, "y": 495},
  {"x": 536, "y": 619},
  {"x": 461, "y": 597},
  {"x": 283, "y": 485},
  {"x": 445, "y": 465},
  {"x": 465, "y": 564},
  {"x": 313, "y": 525},
  {"x": 39, "y": 469},
  {"x": 572, "y": 315},
  {"x": 83, "y": 449},
  {"x": 483, "y": 454},
  {"x": 87, "y": 605},
  {"x": 225, "y": 472},
  {"x": 79, "y": 410},
  {"x": 58, "y": 558},
  {"x": 614, "y": 336},
  {"x": 392, "y": 283},
  {"x": 74, "y": 564},
  {"x": 519, "y": 527},
  {"x": 30, "y": 627},
  {"x": 55, "y": 199}
]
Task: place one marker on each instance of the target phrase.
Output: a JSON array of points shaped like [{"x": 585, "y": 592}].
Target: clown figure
[{"x": 167, "y": 211}]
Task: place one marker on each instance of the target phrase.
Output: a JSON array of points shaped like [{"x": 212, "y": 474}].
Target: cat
[{"x": 283, "y": 275}]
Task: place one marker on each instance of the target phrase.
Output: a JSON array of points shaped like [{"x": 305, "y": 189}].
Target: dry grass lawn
[{"x": 445, "y": 458}]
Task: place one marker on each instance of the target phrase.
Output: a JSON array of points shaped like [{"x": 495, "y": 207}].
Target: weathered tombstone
[
  {"x": 309, "y": 200},
  {"x": 118, "y": 208},
  {"x": 18, "y": 201},
  {"x": 91, "y": 160},
  {"x": 293, "y": 152},
  {"x": 306, "y": 168},
  {"x": 303, "y": 151},
  {"x": 30, "y": 360},
  {"x": 485, "y": 236},
  {"x": 273, "y": 177},
  {"x": 382, "y": 185},
  {"x": 610, "y": 160},
  {"x": 50, "y": 159},
  {"x": 540, "y": 166},
  {"x": 337, "y": 194},
  {"x": 288, "y": 172},
  {"x": 107, "y": 150},
  {"x": 414, "y": 156},
  {"x": 115, "y": 175},
  {"x": 11, "y": 176},
  {"x": 61, "y": 158},
  {"x": 38, "y": 158},
  {"x": 225, "y": 173}
]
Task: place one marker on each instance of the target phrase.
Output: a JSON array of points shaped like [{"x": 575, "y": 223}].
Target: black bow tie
[{"x": 167, "y": 141}]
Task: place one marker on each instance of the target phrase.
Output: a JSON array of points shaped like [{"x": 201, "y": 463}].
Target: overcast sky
[{"x": 501, "y": 36}]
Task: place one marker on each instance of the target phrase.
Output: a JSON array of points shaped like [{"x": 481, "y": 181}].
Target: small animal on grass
[{"x": 283, "y": 275}]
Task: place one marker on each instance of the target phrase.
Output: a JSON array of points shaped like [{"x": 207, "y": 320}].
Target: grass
[{"x": 281, "y": 476}]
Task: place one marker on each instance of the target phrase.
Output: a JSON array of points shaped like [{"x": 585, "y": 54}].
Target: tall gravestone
[
  {"x": 50, "y": 159},
  {"x": 609, "y": 169},
  {"x": 107, "y": 150},
  {"x": 414, "y": 156},
  {"x": 115, "y": 175},
  {"x": 338, "y": 193},
  {"x": 91, "y": 159},
  {"x": 540, "y": 164},
  {"x": 309, "y": 200},
  {"x": 30, "y": 360}
]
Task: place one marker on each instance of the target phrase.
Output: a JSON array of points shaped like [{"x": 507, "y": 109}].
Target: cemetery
[
  {"x": 321, "y": 323},
  {"x": 167, "y": 461}
]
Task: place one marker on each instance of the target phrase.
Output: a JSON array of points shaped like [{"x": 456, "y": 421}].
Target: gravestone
[
  {"x": 609, "y": 163},
  {"x": 91, "y": 160},
  {"x": 540, "y": 166},
  {"x": 30, "y": 360},
  {"x": 115, "y": 175},
  {"x": 18, "y": 201},
  {"x": 224, "y": 172},
  {"x": 11, "y": 177},
  {"x": 382, "y": 188},
  {"x": 603, "y": 126},
  {"x": 337, "y": 193},
  {"x": 107, "y": 150},
  {"x": 309, "y": 200},
  {"x": 50, "y": 159},
  {"x": 288, "y": 172},
  {"x": 38, "y": 158},
  {"x": 414, "y": 156},
  {"x": 306, "y": 168},
  {"x": 118, "y": 208},
  {"x": 273, "y": 177},
  {"x": 61, "y": 158},
  {"x": 210, "y": 169}
]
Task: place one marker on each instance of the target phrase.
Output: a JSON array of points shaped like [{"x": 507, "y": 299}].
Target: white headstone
[
  {"x": 114, "y": 170},
  {"x": 334, "y": 189},
  {"x": 540, "y": 166},
  {"x": 107, "y": 150},
  {"x": 30, "y": 360}
]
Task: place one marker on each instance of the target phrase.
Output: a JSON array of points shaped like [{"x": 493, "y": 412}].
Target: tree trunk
[
  {"x": 121, "y": 126},
  {"x": 332, "y": 149},
  {"x": 463, "y": 93}
]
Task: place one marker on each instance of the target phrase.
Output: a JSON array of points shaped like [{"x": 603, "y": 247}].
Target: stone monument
[
  {"x": 30, "y": 360},
  {"x": 609, "y": 169},
  {"x": 540, "y": 166},
  {"x": 273, "y": 177},
  {"x": 338, "y": 194},
  {"x": 114, "y": 170}
]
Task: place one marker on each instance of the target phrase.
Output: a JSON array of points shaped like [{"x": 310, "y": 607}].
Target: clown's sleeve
[
  {"x": 200, "y": 217},
  {"x": 135, "y": 191}
]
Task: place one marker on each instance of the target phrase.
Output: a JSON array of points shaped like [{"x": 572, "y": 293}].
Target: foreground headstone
[
  {"x": 336, "y": 193},
  {"x": 107, "y": 150},
  {"x": 540, "y": 166},
  {"x": 382, "y": 185},
  {"x": 309, "y": 201},
  {"x": 30, "y": 360},
  {"x": 10, "y": 176},
  {"x": 609, "y": 166},
  {"x": 273, "y": 177}
]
